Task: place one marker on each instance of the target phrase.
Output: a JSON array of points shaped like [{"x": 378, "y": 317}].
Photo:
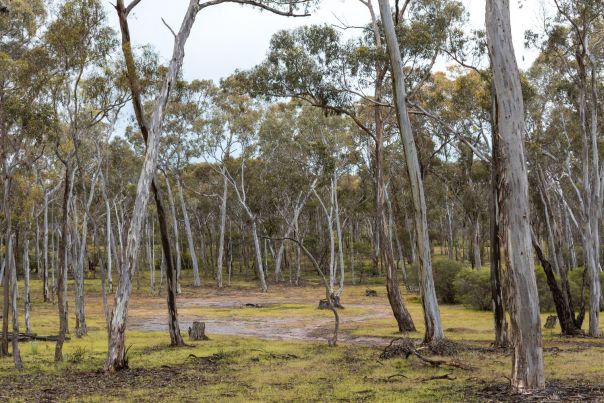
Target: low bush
[
  {"x": 473, "y": 288},
  {"x": 445, "y": 273}
]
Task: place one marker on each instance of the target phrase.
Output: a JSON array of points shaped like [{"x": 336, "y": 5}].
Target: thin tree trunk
[
  {"x": 223, "y": 208},
  {"x": 62, "y": 278},
  {"x": 176, "y": 234},
  {"x": 476, "y": 244},
  {"x": 15, "y": 311},
  {"x": 434, "y": 330},
  {"x": 26, "y": 291},
  {"x": 185, "y": 214},
  {"x": 258, "y": 251},
  {"x": 116, "y": 355}
]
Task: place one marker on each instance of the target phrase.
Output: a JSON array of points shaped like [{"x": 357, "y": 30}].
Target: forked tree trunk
[
  {"x": 434, "y": 330},
  {"x": 523, "y": 305},
  {"x": 116, "y": 355}
]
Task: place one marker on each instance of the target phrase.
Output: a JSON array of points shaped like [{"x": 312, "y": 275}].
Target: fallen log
[{"x": 32, "y": 336}]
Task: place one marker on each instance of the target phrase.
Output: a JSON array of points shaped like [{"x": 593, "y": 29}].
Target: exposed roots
[{"x": 405, "y": 347}]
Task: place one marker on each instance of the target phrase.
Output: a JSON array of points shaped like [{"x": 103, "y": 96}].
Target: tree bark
[
  {"x": 501, "y": 325},
  {"x": 116, "y": 355},
  {"x": 176, "y": 235},
  {"x": 223, "y": 208},
  {"x": 527, "y": 363},
  {"x": 15, "y": 310},
  {"x": 434, "y": 330},
  {"x": 185, "y": 214},
  {"x": 62, "y": 280},
  {"x": 26, "y": 290}
]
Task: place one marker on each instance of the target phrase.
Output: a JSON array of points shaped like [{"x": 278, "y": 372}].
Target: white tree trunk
[
  {"x": 15, "y": 310},
  {"x": 334, "y": 191},
  {"x": 434, "y": 330},
  {"x": 223, "y": 208},
  {"x": 258, "y": 252},
  {"x": 523, "y": 304},
  {"x": 185, "y": 214},
  {"x": 116, "y": 355},
  {"x": 26, "y": 291}
]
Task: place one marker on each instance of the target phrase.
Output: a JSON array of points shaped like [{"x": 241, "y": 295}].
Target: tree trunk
[
  {"x": 185, "y": 214},
  {"x": 434, "y": 330},
  {"x": 176, "y": 234},
  {"x": 15, "y": 310},
  {"x": 116, "y": 355},
  {"x": 62, "y": 278},
  {"x": 501, "y": 325},
  {"x": 258, "y": 251},
  {"x": 223, "y": 208},
  {"x": 476, "y": 244},
  {"x": 527, "y": 363},
  {"x": 565, "y": 315},
  {"x": 26, "y": 291}
]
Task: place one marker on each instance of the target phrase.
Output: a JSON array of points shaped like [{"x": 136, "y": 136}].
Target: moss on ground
[{"x": 237, "y": 368}]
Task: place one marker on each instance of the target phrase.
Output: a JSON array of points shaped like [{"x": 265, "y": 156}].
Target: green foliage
[
  {"x": 473, "y": 288},
  {"x": 445, "y": 273},
  {"x": 546, "y": 301}
]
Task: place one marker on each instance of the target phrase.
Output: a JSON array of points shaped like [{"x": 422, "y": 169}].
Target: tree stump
[
  {"x": 550, "y": 322},
  {"x": 198, "y": 331},
  {"x": 371, "y": 293},
  {"x": 324, "y": 304}
]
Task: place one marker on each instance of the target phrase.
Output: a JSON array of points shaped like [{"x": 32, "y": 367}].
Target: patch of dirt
[
  {"x": 69, "y": 384},
  {"x": 555, "y": 391},
  {"x": 153, "y": 318}
]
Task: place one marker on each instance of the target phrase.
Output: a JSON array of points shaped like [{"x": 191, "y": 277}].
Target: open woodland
[{"x": 348, "y": 220}]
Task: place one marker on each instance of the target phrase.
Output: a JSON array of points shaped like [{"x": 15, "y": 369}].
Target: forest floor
[{"x": 278, "y": 351}]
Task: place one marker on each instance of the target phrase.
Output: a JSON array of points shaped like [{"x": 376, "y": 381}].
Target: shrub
[
  {"x": 546, "y": 301},
  {"x": 473, "y": 288},
  {"x": 445, "y": 272}
]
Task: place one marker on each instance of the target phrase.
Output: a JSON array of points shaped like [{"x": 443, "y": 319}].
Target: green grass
[{"x": 237, "y": 368}]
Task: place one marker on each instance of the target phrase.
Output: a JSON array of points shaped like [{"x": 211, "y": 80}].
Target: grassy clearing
[{"x": 239, "y": 368}]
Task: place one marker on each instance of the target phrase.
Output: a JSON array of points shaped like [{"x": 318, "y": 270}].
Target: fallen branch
[
  {"x": 447, "y": 377},
  {"x": 406, "y": 347},
  {"x": 32, "y": 336}
]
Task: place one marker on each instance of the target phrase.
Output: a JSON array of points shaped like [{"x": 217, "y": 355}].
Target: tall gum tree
[
  {"x": 434, "y": 330},
  {"x": 523, "y": 300}
]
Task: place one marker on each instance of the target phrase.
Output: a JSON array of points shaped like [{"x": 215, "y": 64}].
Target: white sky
[{"x": 228, "y": 36}]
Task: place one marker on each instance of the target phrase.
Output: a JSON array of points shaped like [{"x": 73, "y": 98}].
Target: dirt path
[{"x": 237, "y": 319}]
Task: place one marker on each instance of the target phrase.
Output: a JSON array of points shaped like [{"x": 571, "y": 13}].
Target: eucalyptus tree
[
  {"x": 550, "y": 119},
  {"x": 313, "y": 65},
  {"x": 25, "y": 122},
  {"x": 523, "y": 301},
  {"x": 285, "y": 143},
  {"x": 116, "y": 356},
  {"x": 434, "y": 330},
  {"x": 79, "y": 44},
  {"x": 237, "y": 133},
  {"x": 571, "y": 49}
]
